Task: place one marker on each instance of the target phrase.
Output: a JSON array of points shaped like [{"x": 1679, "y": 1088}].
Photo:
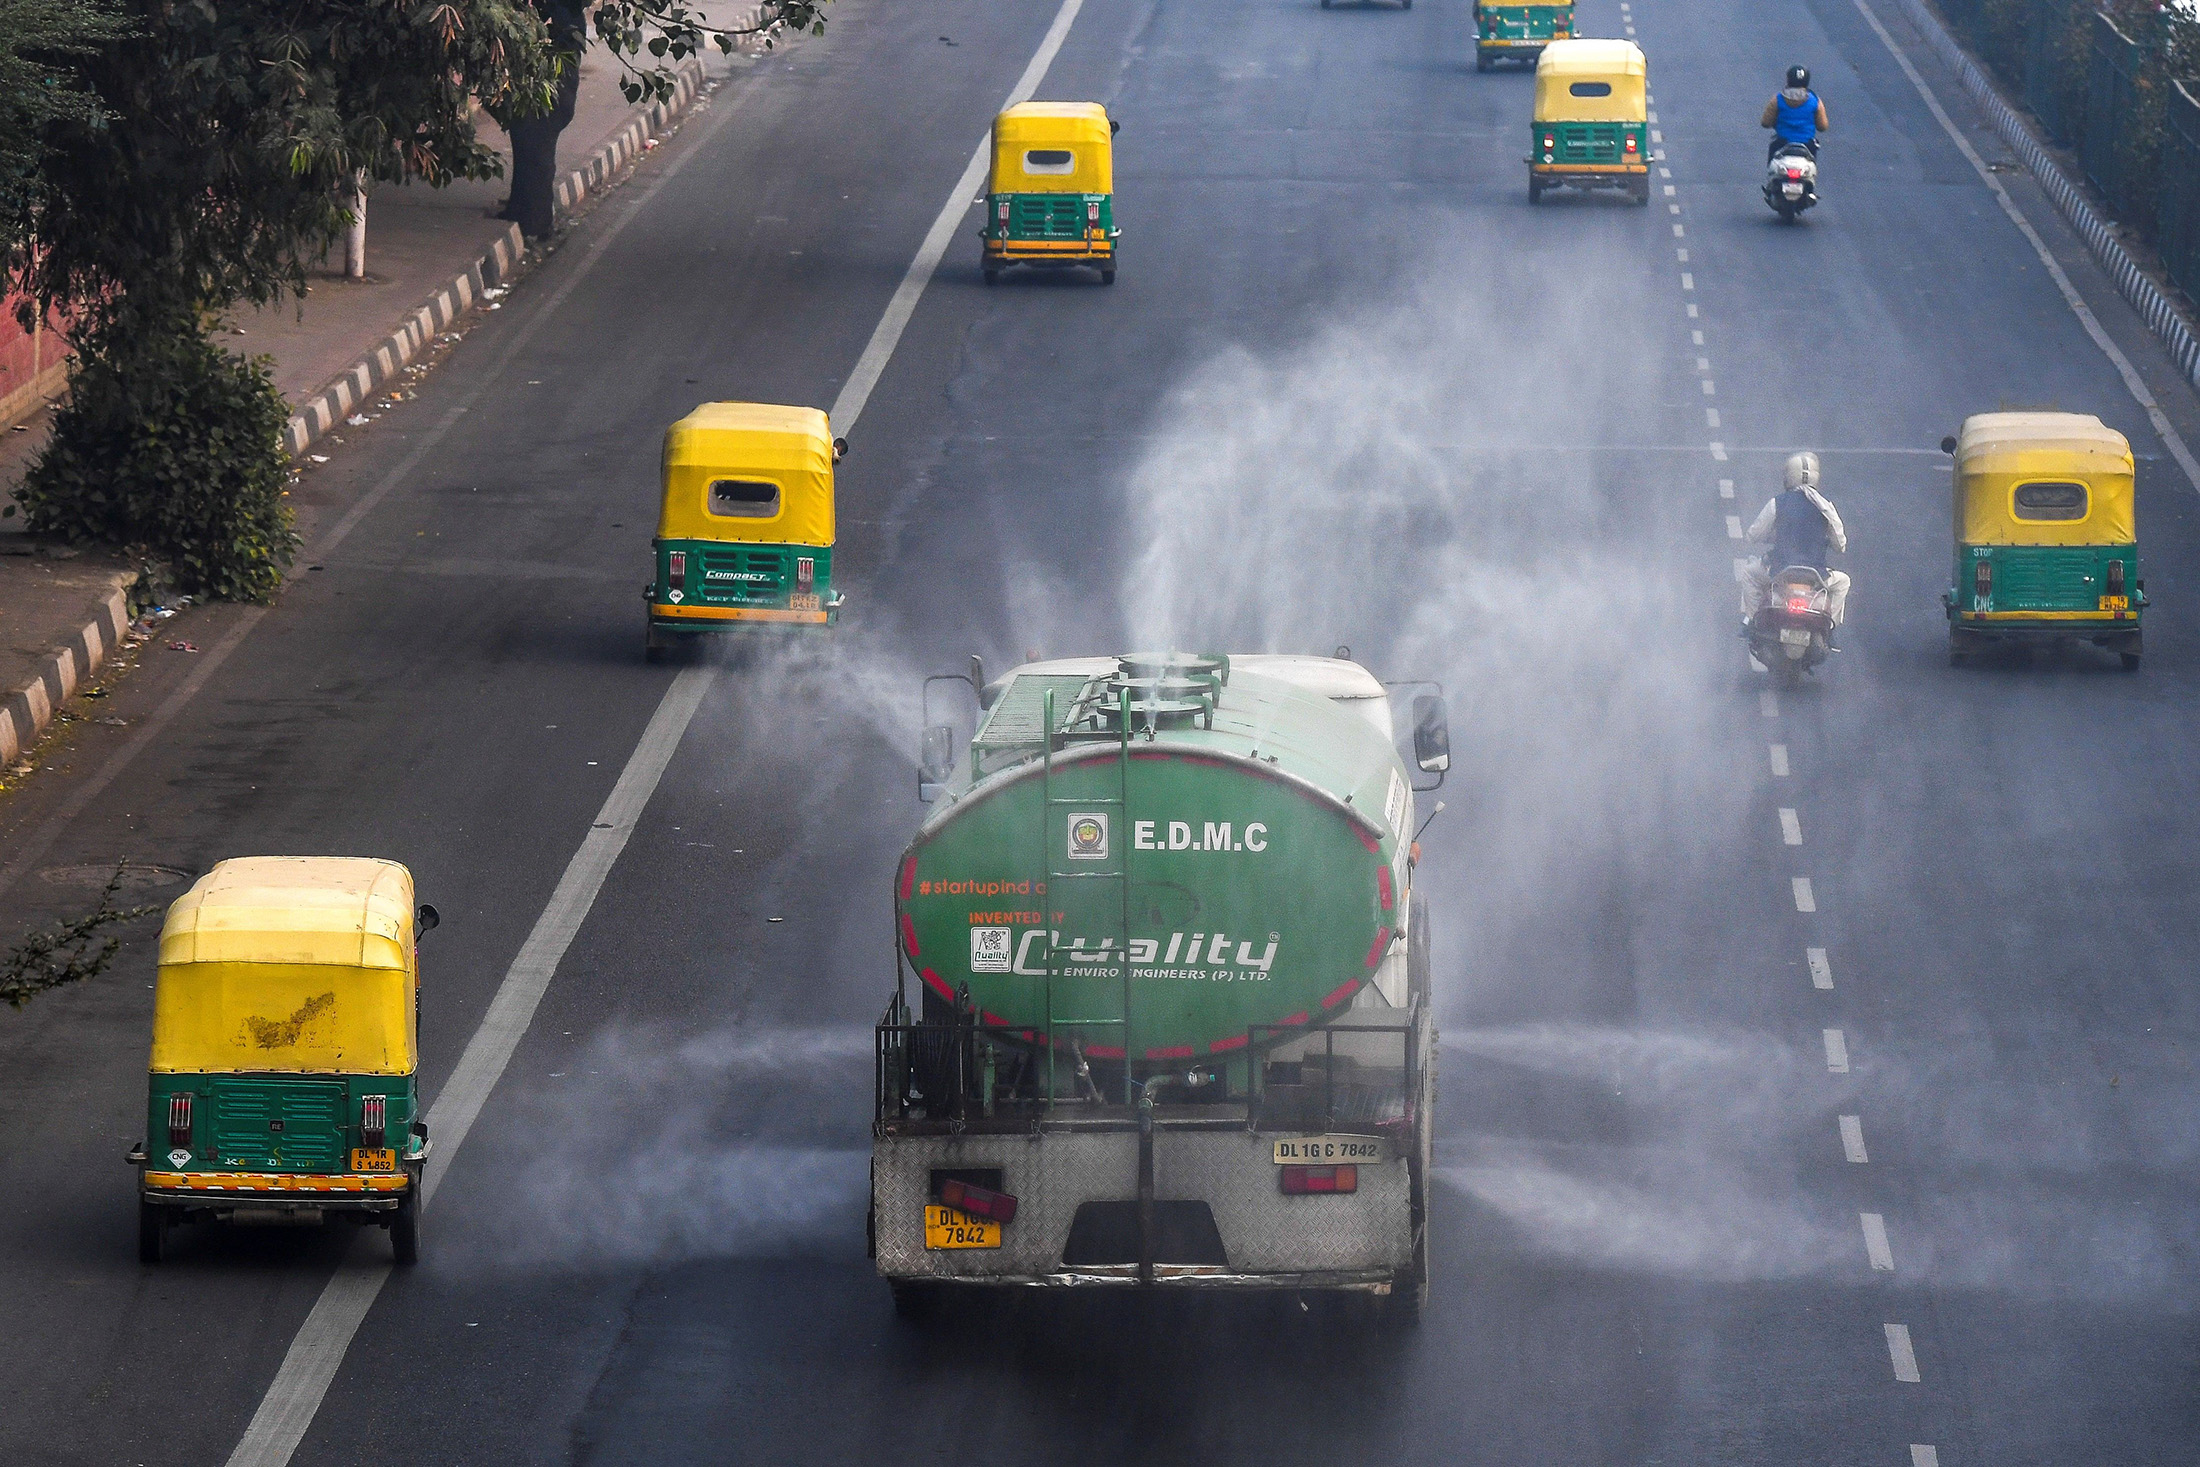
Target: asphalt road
[{"x": 1349, "y": 389}]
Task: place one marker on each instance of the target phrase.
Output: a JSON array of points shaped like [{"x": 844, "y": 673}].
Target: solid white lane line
[
  {"x": 1924, "y": 1456},
  {"x": 316, "y": 1353},
  {"x": 1733, "y": 527},
  {"x": 1898, "y": 1350},
  {"x": 1805, "y": 899},
  {"x": 1768, "y": 703},
  {"x": 1837, "y": 1051},
  {"x": 1852, "y": 1139},
  {"x": 1876, "y": 1247},
  {"x": 1791, "y": 826},
  {"x": 1779, "y": 753},
  {"x": 2133, "y": 384},
  {"x": 1821, "y": 971}
]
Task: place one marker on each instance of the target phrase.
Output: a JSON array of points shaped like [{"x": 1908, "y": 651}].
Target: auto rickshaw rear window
[
  {"x": 2050, "y": 501},
  {"x": 1050, "y": 160},
  {"x": 1591, "y": 89},
  {"x": 747, "y": 499}
]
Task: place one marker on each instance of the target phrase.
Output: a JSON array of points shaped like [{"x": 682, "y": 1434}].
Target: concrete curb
[
  {"x": 25, "y": 711},
  {"x": 2133, "y": 283},
  {"x": 357, "y": 383}
]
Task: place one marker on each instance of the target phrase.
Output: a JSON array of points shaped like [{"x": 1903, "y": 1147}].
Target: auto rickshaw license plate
[
  {"x": 803, "y": 601},
  {"x": 2115, "y": 603},
  {"x": 949, "y": 1227},
  {"x": 374, "y": 1159}
]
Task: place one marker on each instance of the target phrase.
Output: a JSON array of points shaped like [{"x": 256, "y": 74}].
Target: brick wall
[{"x": 32, "y": 363}]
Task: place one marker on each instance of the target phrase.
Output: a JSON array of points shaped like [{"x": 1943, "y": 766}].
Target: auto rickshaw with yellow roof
[
  {"x": 1050, "y": 200},
  {"x": 1591, "y": 127},
  {"x": 1518, "y": 32},
  {"x": 286, "y": 1049},
  {"x": 746, "y": 526},
  {"x": 2046, "y": 535}
]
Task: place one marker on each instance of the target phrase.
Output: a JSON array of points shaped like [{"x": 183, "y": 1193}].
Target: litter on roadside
[
  {"x": 183, "y": 647},
  {"x": 319, "y": 458},
  {"x": 357, "y": 420}
]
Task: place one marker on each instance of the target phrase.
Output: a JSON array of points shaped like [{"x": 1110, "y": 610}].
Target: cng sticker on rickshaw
[
  {"x": 374, "y": 1159},
  {"x": 951, "y": 1227}
]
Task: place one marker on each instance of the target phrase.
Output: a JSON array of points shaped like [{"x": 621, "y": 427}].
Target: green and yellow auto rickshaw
[
  {"x": 286, "y": 1041},
  {"x": 1592, "y": 127},
  {"x": 745, "y": 532},
  {"x": 1051, "y": 198},
  {"x": 1518, "y": 32},
  {"x": 2046, "y": 537}
]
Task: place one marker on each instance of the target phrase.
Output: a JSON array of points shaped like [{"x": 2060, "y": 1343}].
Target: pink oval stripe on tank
[
  {"x": 1344, "y": 991},
  {"x": 1375, "y": 953}
]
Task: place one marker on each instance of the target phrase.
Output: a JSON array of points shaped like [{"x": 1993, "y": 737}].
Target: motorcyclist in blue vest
[
  {"x": 1801, "y": 527},
  {"x": 1795, "y": 114}
]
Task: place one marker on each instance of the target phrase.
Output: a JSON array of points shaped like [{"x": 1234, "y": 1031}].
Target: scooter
[
  {"x": 1791, "y": 633},
  {"x": 1791, "y": 181}
]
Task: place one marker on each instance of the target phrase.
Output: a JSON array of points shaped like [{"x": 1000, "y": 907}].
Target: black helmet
[{"x": 1799, "y": 78}]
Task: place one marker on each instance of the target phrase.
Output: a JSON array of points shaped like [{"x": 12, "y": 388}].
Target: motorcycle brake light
[
  {"x": 1798, "y": 604},
  {"x": 1795, "y": 173}
]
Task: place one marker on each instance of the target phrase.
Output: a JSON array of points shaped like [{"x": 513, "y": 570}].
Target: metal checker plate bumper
[{"x": 1270, "y": 1240}]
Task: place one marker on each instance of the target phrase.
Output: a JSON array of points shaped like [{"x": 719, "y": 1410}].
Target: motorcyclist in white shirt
[{"x": 1801, "y": 527}]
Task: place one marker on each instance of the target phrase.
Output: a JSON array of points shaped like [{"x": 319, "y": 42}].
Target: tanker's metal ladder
[{"x": 1114, "y": 868}]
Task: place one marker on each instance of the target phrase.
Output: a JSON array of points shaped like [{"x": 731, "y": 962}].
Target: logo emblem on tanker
[{"x": 1088, "y": 836}]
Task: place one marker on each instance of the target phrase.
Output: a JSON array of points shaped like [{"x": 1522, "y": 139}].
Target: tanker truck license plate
[
  {"x": 948, "y": 1227},
  {"x": 1326, "y": 1150}
]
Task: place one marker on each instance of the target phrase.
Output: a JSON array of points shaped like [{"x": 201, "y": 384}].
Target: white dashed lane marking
[
  {"x": 1711, "y": 417},
  {"x": 1805, "y": 899},
  {"x": 1791, "y": 826},
  {"x": 1778, "y": 752},
  {"x": 1904, "y": 1358},
  {"x": 1924, "y": 1456},
  {"x": 1768, "y": 703},
  {"x": 1703, "y": 364},
  {"x": 1741, "y": 571},
  {"x": 1852, "y": 1139},
  {"x": 1876, "y": 1248},
  {"x": 1821, "y": 971},
  {"x": 1726, "y": 486},
  {"x": 1688, "y": 281},
  {"x": 1837, "y": 1052},
  {"x": 1696, "y": 337},
  {"x": 1710, "y": 388},
  {"x": 1733, "y": 527}
]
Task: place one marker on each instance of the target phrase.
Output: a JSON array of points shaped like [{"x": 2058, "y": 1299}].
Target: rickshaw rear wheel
[
  {"x": 992, "y": 276},
  {"x": 2130, "y": 659},
  {"x": 1535, "y": 189},
  {"x": 152, "y": 1232},
  {"x": 1481, "y": 62},
  {"x": 1107, "y": 275},
  {"x": 405, "y": 1227}
]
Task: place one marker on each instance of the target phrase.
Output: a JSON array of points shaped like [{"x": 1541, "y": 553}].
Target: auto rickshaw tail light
[
  {"x": 1630, "y": 142},
  {"x": 1092, "y": 211},
  {"x": 1002, "y": 212},
  {"x": 676, "y": 567},
  {"x": 805, "y": 572},
  {"x": 2115, "y": 578},
  {"x": 179, "y": 1120},
  {"x": 373, "y": 1120},
  {"x": 1982, "y": 581}
]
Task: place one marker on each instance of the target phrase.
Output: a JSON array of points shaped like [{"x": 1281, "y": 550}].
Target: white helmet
[{"x": 1802, "y": 470}]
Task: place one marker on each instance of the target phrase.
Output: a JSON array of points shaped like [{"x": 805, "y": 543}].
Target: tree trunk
[
  {"x": 534, "y": 201},
  {"x": 355, "y": 238}
]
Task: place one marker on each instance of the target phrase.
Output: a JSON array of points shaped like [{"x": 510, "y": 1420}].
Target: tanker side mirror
[
  {"x": 935, "y": 761},
  {"x": 1431, "y": 737},
  {"x": 1947, "y": 445}
]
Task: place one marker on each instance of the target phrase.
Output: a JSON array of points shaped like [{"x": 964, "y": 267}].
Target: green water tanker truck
[{"x": 1162, "y": 1012}]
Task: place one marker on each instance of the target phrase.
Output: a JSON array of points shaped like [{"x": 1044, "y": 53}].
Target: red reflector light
[
  {"x": 978, "y": 1201},
  {"x": 1550, "y": 142},
  {"x": 373, "y": 1114},
  {"x": 1308, "y": 1181},
  {"x": 1795, "y": 173},
  {"x": 1798, "y": 604},
  {"x": 179, "y": 1121},
  {"x": 676, "y": 565},
  {"x": 1630, "y": 144}
]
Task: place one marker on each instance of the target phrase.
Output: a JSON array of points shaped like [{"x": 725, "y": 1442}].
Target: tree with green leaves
[
  {"x": 666, "y": 32},
  {"x": 39, "y": 42}
]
